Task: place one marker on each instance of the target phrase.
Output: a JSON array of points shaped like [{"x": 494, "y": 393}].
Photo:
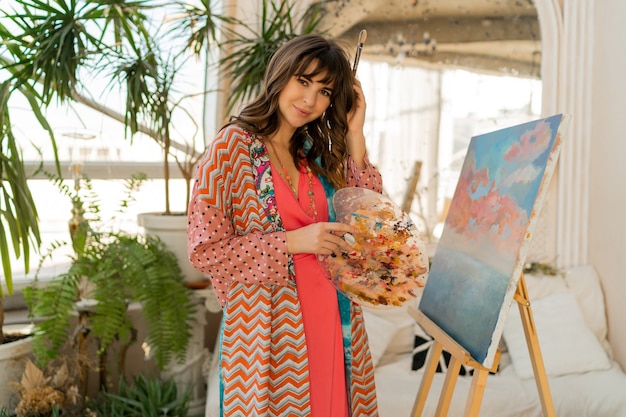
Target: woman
[{"x": 259, "y": 219}]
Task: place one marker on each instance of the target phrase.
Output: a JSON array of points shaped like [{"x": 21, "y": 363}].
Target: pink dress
[{"x": 318, "y": 300}]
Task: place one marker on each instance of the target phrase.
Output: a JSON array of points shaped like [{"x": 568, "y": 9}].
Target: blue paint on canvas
[{"x": 478, "y": 260}]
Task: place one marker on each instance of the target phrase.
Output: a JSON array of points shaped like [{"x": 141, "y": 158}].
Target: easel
[
  {"x": 459, "y": 356},
  {"x": 411, "y": 189}
]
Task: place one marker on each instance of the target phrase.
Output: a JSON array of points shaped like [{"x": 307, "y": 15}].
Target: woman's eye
[
  {"x": 326, "y": 93},
  {"x": 303, "y": 81}
]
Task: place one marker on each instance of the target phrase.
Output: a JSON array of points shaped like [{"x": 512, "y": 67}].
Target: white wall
[{"x": 607, "y": 223}]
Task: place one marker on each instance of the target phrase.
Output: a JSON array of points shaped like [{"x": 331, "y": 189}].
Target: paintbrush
[{"x": 359, "y": 49}]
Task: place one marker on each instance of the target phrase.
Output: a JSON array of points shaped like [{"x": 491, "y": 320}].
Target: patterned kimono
[{"x": 236, "y": 236}]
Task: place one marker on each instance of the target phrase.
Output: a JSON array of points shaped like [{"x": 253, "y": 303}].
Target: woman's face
[{"x": 303, "y": 100}]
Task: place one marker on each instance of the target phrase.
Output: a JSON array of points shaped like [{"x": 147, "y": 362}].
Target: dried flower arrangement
[{"x": 50, "y": 393}]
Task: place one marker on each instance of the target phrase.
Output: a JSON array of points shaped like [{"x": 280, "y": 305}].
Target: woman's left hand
[
  {"x": 356, "y": 121},
  {"x": 356, "y": 117}
]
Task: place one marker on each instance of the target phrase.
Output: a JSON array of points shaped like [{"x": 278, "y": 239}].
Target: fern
[
  {"x": 54, "y": 304},
  {"x": 123, "y": 268},
  {"x": 131, "y": 186},
  {"x": 165, "y": 315}
]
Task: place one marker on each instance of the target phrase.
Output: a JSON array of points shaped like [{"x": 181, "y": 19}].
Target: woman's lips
[{"x": 301, "y": 112}]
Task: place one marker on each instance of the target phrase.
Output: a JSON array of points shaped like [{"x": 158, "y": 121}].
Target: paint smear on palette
[{"x": 482, "y": 250}]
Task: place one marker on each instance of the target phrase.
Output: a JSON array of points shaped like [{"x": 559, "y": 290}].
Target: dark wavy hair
[{"x": 294, "y": 58}]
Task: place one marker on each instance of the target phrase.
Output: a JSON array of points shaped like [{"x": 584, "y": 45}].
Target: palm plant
[
  {"x": 249, "y": 50},
  {"x": 50, "y": 51},
  {"x": 57, "y": 47},
  {"x": 19, "y": 221}
]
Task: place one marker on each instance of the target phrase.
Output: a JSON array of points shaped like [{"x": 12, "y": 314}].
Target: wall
[{"x": 607, "y": 222}]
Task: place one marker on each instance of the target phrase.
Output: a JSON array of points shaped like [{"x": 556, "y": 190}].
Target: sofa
[{"x": 569, "y": 315}]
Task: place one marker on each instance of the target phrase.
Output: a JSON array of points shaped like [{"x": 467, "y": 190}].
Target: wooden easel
[
  {"x": 411, "y": 189},
  {"x": 459, "y": 356}
]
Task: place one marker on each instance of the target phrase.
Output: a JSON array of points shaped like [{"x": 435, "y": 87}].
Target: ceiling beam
[
  {"x": 448, "y": 30},
  {"x": 501, "y": 37},
  {"x": 339, "y": 17}
]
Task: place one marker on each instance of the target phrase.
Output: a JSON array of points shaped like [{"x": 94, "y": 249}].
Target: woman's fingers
[
  {"x": 322, "y": 238},
  {"x": 344, "y": 235}
]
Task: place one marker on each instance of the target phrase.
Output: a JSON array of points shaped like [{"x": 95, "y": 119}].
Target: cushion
[
  {"x": 567, "y": 344},
  {"x": 379, "y": 334},
  {"x": 540, "y": 286},
  {"x": 585, "y": 284}
]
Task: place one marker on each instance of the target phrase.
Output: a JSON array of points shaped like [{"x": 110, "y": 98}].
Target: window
[{"x": 429, "y": 115}]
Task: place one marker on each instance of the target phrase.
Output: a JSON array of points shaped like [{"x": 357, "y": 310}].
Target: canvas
[{"x": 482, "y": 250}]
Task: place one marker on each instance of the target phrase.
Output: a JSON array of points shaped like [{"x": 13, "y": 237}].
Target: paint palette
[{"x": 387, "y": 265}]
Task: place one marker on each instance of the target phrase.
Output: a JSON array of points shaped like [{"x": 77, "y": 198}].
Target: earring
[{"x": 330, "y": 140}]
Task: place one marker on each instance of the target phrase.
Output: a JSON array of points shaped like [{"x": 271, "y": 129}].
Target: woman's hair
[{"x": 294, "y": 58}]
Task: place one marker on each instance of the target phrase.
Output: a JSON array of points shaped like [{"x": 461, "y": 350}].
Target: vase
[
  {"x": 172, "y": 230},
  {"x": 13, "y": 357},
  {"x": 192, "y": 373}
]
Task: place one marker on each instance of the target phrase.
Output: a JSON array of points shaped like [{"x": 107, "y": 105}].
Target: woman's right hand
[{"x": 322, "y": 238}]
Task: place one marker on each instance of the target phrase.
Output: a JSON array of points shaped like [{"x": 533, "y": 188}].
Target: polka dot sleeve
[
  {"x": 367, "y": 178},
  {"x": 255, "y": 258},
  {"x": 228, "y": 235}
]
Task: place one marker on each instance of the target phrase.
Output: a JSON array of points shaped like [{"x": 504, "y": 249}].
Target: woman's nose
[{"x": 309, "y": 98}]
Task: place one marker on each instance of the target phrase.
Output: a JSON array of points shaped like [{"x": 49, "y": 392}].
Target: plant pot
[
  {"x": 172, "y": 230},
  {"x": 13, "y": 357},
  {"x": 191, "y": 374}
]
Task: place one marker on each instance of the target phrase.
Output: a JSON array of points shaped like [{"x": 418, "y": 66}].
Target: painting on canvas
[{"x": 480, "y": 256}]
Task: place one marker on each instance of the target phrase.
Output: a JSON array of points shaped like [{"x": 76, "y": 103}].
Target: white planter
[
  {"x": 172, "y": 230},
  {"x": 12, "y": 362},
  {"x": 192, "y": 373}
]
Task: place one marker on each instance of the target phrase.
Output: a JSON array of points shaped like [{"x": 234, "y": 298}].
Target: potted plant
[
  {"x": 111, "y": 269},
  {"x": 16, "y": 198},
  {"x": 53, "y": 391},
  {"x": 19, "y": 229},
  {"x": 146, "y": 396},
  {"x": 56, "y": 48}
]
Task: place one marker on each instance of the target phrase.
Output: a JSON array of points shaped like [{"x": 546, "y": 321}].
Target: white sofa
[{"x": 571, "y": 326}]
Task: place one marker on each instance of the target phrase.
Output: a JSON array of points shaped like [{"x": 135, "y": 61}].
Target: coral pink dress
[{"x": 318, "y": 299}]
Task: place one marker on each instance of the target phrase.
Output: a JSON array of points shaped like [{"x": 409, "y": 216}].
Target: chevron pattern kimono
[{"x": 236, "y": 236}]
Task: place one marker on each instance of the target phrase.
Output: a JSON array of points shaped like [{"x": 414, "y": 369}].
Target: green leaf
[
  {"x": 146, "y": 396},
  {"x": 19, "y": 221}
]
